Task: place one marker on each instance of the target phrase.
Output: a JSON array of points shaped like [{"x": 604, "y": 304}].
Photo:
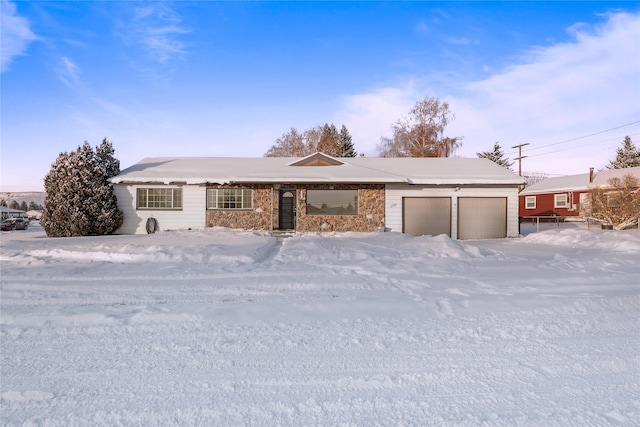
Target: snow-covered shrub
[{"x": 79, "y": 197}]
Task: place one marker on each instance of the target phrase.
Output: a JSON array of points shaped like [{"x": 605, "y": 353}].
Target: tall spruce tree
[
  {"x": 346, "y": 143},
  {"x": 496, "y": 156},
  {"x": 628, "y": 156},
  {"x": 80, "y": 199}
]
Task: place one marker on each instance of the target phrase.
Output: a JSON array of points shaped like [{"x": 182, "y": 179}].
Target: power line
[
  {"x": 585, "y": 136},
  {"x": 519, "y": 146},
  {"x": 577, "y": 148}
]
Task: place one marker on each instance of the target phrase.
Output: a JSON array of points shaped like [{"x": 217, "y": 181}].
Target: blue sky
[{"x": 229, "y": 78}]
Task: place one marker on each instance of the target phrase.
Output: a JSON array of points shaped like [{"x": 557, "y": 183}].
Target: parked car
[
  {"x": 14, "y": 224},
  {"x": 7, "y": 224},
  {"x": 20, "y": 224}
]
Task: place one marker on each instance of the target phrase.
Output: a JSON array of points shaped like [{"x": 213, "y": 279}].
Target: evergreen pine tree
[
  {"x": 626, "y": 157},
  {"x": 80, "y": 199},
  {"x": 496, "y": 156},
  {"x": 3, "y": 202},
  {"x": 346, "y": 143},
  {"x": 24, "y": 206}
]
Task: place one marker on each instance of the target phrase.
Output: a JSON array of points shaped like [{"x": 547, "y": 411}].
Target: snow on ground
[{"x": 222, "y": 327}]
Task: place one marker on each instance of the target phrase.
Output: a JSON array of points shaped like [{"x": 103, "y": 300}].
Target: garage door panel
[
  {"x": 482, "y": 217},
  {"x": 426, "y": 215}
]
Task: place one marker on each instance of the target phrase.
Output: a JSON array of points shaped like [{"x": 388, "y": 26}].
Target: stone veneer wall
[
  {"x": 259, "y": 218},
  {"x": 264, "y": 215},
  {"x": 370, "y": 211}
]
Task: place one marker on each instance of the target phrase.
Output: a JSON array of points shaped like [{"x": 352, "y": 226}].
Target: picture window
[{"x": 332, "y": 202}]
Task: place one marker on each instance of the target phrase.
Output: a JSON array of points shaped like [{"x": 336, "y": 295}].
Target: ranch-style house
[{"x": 464, "y": 198}]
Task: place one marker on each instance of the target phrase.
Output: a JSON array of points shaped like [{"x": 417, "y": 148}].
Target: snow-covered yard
[{"x": 222, "y": 327}]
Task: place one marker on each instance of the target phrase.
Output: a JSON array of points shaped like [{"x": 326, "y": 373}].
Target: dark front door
[{"x": 287, "y": 210}]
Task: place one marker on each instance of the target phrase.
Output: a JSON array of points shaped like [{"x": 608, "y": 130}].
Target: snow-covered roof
[
  {"x": 559, "y": 184},
  {"x": 7, "y": 210},
  {"x": 602, "y": 178},
  {"x": 225, "y": 170},
  {"x": 578, "y": 182}
]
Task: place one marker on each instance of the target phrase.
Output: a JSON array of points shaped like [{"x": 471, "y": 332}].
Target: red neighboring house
[{"x": 561, "y": 196}]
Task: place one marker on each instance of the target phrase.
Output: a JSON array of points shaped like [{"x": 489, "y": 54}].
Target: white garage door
[
  {"x": 482, "y": 217},
  {"x": 426, "y": 215}
]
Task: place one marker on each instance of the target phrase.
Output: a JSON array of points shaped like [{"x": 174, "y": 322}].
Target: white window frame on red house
[
  {"x": 560, "y": 201},
  {"x": 530, "y": 202}
]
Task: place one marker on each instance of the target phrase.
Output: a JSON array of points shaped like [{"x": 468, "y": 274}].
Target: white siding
[
  {"x": 395, "y": 193},
  {"x": 192, "y": 215}
]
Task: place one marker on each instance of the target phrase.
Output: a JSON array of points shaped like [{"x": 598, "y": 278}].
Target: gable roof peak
[{"x": 317, "y": 159}]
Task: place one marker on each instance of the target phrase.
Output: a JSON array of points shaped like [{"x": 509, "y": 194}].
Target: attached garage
[
  {"x": 482, "y": 217},
  {"x": 426, "y": 216},
  {"x": 460, "y": 211}
]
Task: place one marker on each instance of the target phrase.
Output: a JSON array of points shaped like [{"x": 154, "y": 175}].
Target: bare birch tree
[
  {"x": 421, "y": 134},
  {"x": 290, "y": 144},
  {"x": 531, "y": 178}
]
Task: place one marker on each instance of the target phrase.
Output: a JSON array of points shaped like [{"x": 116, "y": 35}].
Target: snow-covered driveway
[{"x": 225, "y": 327}]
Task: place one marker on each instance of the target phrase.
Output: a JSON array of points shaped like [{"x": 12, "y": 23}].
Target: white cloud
[
  {"x": 15, "y": 34},
  {"x": 156, "y": 27},
  {"x": 560, "y": 78},
  {"x": 369, "y": 116},
  {"x": 558, "y": 93},
  {"x": 552, "y": 94},
  {"x": 68, "y": 72}
]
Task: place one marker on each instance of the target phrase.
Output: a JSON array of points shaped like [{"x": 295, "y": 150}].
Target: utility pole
[{"x": 520, "y": 157}]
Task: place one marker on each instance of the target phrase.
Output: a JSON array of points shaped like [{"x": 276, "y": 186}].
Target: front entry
[{"x": 287, "y": 216}]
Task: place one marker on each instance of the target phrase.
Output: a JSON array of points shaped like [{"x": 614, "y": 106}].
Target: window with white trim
[
  {"x": 159, "y": 198},
  {"x": 229, "y": 198},
  {"x": 560, "y": 201},
  {"x": 530, "y": 202}
]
